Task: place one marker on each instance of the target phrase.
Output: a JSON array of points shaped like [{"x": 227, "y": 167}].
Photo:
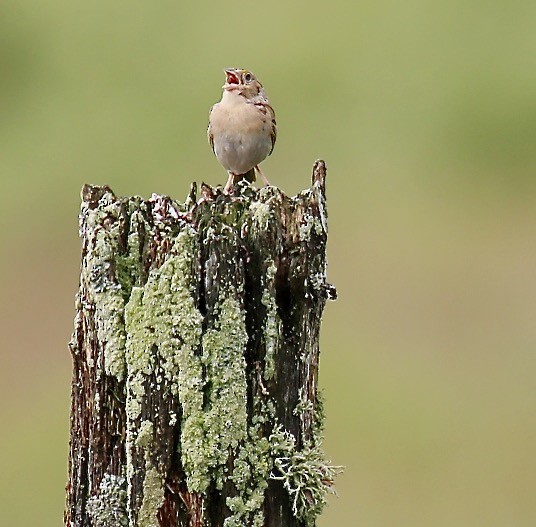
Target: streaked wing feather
[
  {"x": 210, "y": 135},
  {"x": 273, "y": 134}
]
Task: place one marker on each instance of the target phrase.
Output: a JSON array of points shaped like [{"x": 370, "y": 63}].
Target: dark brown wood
[{"x": 195, "y": 360}]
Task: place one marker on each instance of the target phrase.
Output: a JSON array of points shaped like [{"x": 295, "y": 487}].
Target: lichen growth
[
  {"x": 261, "y": 213},
  {"x": 251, "y": 472},
  {"x": 309, "y": 225},
  {"x": 163, "y": 333},
  {"x": 225, "y": 417},
  {"x": 128, "y": 264},
  {"x": 153, "y": 498},
  {"x": 145, "y": 435},
  {"x": 108, "y": 508},
  {"x": 272, "y": 322},
  {"x": 319, "y": 416},
  {"x": 305, "y": 474},
  {"x": 304, "y": 405},
  {"x": 153, "y": 482},
  {"x": 155, "y": 337},
  {"x": 110, "y": 307},
  {"x": 104, "y": 289},
  {"x": 164, "y": 328},
  {"x": 252, "y": 467}
]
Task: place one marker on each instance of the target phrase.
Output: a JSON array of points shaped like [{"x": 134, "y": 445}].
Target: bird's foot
[{"x": 230, "y": 183}]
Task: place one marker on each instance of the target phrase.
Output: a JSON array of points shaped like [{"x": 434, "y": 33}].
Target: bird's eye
[{"x": 248, "y": 77}]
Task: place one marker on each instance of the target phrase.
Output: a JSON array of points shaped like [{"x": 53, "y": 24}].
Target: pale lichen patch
[
  {"x": 153, "y": 481},
  {"x": 104, "y": 289},
  {"x": 272, "y": 322},
  {"x": 110, "y": 306},
  {"x": 164, "y": 329},
  {"x": 163, "y": 334},
  {"x": 145, "y": 435},
  {"x": 305, "y": 474},
  {"x": 252, "y": 467},
  {"x": 261, "y": 213},
  {"x": 153, "y": 498},
  {"x": 309, "y": 225},
  {"x": 108, "y": 508},
  {"x": 128, "y": 264},
  {"x": 304, "y": 406},
  {"x": 223, "y": 357},
  {"x": 180, "y": 363},
  {"x": 139, "y": 357}
]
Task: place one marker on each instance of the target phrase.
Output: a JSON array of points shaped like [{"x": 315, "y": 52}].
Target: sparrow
[{"x": 241, "y": 127}]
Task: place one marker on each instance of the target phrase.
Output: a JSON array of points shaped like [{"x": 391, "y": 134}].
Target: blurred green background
[{"x": 426, "y": 115}]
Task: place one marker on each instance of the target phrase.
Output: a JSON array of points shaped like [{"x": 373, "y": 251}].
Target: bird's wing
[
  {"x": 270, "y": 114},
  {"x": 210, "y": 135},
  {"x": 273, "y": 134}
]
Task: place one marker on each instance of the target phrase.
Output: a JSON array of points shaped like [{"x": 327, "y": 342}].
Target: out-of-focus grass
[{"x": 427, "y": 118}]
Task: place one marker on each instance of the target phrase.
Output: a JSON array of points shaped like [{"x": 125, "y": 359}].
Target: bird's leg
[
  {"x": 230, "y": 181},
  {"x": 263, "y": 177}
]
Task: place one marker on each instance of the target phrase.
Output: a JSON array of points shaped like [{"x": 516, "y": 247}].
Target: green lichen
[
  {"x": 108, "y": 508},
  {"x": 252, "y": 468},
  {"x": 305, "y": 474},
  {"x": 223, "y": 357},
  {"x": 105, "y": 291},
  {"x": 272, "y": 322},
  {"x": 263, "y": 209},
  {"x": 145, "y": 435},
  {"x": 153, "y": 482},
  {"x": 164, "y": 327},
  {"x": 109, "y": 309},
  {"x": 304, "y": 406},
  {"x": 153, "y": 498},
  {"x": 319, "y": 416},
  {"x": 251, "y": 472},
  {"x": 163, "y": 333},
  {"x": 128, "y": 264}
]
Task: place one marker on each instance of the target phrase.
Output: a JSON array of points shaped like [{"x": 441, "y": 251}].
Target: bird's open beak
[{"x": 232, "y": 76}]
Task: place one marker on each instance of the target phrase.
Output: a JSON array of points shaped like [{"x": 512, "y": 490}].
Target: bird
[{"x": 241, "y": 127}]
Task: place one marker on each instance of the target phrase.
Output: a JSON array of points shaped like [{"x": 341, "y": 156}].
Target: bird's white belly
[
  {"x": 241, "y": 143},
  {"x": 239, "y": 153}
]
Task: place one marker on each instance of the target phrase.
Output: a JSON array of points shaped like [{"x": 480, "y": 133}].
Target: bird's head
[{"x": 242, "y": 81}]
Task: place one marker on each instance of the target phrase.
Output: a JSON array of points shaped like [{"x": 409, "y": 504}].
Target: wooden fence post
[{"x": 195, "y": 360}]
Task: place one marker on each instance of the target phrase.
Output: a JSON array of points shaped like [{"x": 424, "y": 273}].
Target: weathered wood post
[{"x": 195, "y": 360}]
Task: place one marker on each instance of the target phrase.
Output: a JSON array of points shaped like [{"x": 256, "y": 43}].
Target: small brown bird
[{"x": 241, "y": 127}]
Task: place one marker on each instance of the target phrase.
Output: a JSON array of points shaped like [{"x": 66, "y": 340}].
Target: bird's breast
[{"x": 241, "y": 135}]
